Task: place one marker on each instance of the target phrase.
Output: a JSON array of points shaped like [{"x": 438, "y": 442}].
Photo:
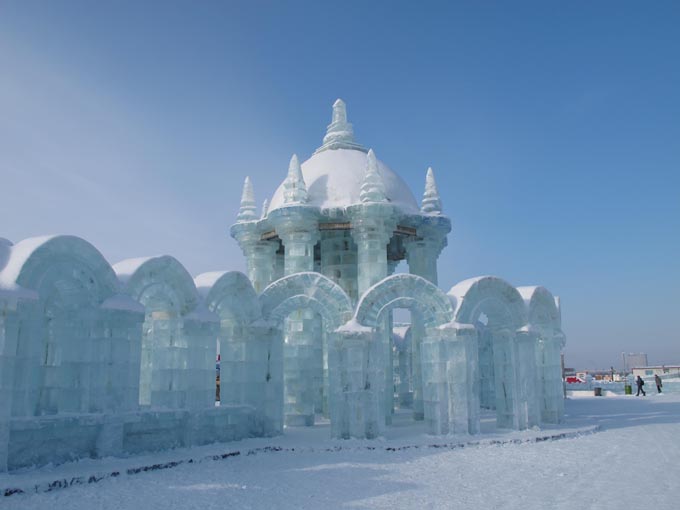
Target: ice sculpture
[{"x": 98, "y": 360}]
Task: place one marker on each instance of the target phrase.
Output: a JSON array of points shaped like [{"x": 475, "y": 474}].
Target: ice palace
[{"x": 99, "y": 360}]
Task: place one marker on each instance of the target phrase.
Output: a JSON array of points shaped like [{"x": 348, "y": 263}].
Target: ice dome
[
  {"x": 334, "y": 174},
  {"x": 334, "y": 177}
]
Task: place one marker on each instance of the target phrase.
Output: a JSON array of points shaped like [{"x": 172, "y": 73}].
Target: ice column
[
  {"x": 422, "y": 253},
  {"x": 463, "y": 379},
  {"x": 449, "y": 372},
  {"x": 434, "y": 361},
  {"x": 9, "y": 326},
  {"x": 505, "y": 361},
  {"x": 373, "y": 224},
  {"x": 527, "y": 379},
  {"x": 296, "y": 225},
  {"x": 265, "y": 355},
  {"x": 201, "y": 327},
  {"x": 404, "y": 357},
  {"x": 550, "y": 373},
  {"x": 355, "y": 407},
  {"x": 260, "y": 255}
]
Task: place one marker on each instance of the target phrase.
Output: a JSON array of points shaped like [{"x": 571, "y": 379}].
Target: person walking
[
  {"x": 658, "y": 382},
  {"x": 640, "y": 383}
]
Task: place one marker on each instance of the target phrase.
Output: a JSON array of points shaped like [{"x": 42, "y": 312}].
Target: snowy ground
[{"x": 626, "y": 456}]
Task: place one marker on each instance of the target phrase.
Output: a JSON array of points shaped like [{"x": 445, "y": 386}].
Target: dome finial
[
  {"x": 432, "y": 204},
  {"x": 247, "y": 210},
  {"x": 339, "y": 112},
  {"x": 339, "y": 133},
  {"x": 373, "y": 187},
  {"x": 265, "y": 208},
  {"x": 294, "y": 188}
]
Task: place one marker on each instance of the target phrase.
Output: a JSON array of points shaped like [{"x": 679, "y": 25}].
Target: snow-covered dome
[
  {"x": 333, "y": 178},
  {"x": 334, "y": 174}
]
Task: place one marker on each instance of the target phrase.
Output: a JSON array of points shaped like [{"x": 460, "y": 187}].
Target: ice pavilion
[{"x": 112, "y": 360}]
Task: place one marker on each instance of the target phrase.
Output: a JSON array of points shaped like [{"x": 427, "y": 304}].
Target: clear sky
[{"x": 553, "y": 129}]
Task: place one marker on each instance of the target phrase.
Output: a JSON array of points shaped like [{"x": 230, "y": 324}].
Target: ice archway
[
  {"x": 59, "y": 341},
  {"x": 506, "y": 352},
  {"x": 545, "y": 324},
  {"x": 246, "y": 364},
  {"x": 178, "y": 341},
  {"x": 304, "y": 358},
  {"x": 439, "y": 357}
]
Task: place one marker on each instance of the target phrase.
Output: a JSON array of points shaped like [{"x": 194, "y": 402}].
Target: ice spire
[
  {"x": 339, "y": 133},
  {"x": 247, "y": 210},
  {"x": 373, "y": 187},
  {"x": 432, "y": 204},
  {"x": 265, "y": 208},
  {"x": 294, "y": 188}
]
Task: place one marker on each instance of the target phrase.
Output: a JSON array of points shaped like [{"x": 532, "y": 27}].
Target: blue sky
[{"x": 553, "y": 129}]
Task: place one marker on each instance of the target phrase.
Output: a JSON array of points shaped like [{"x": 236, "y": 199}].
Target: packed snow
[{"x": 623, "y": 457}]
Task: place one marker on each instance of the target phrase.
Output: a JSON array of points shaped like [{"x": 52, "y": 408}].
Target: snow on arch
[
  {"x": 306, "y": 289},
  {"x": 407, "y": 291},
  {"x": 229, "y": 291},
  {"x": 493, "y": 296},
  {"x": 158, "y": 283},
  {"x": 542, "y": 310},
  {"x": 5, "y": 250},
  {"x": 30, "y": 260}
]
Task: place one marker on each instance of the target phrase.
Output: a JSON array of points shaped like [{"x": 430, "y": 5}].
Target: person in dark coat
[
  {"x": 658, "y": 382},
  {"x": 640, "y": 383}
]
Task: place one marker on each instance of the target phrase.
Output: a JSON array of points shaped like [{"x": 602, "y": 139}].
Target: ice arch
[
  {"x": 496, "y": 309},
  {"x": 178, "y": 343},
  {"x": 306, "y": 289},
  {"x": 60, "y": 368},
  {"x": 545, "y": 324},
  {"x": 404, "y": 291},
  {"x": 440, "y": 367},
  {"x": 303, "y": 371},
  {"x": 232, "y": 297}
]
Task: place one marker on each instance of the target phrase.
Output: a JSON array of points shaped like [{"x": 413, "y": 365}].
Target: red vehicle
[{"x": 573, "y": 379}]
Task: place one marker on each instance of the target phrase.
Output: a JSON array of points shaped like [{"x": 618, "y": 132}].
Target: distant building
[
  {"x": 662, "y": 371},
  {"x": 633, "y": 360}
]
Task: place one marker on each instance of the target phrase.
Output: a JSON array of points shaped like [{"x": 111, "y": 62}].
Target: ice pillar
[
  {"x": 421, "y": 254},
  {"x": 303, "y": 345},
  {"x": 9, "y": 325},
  {"x": 505, "y": 378},
  {"x": 260, "y": 254},
  {"x": 355, "y": 367},
  {"x": 527, "y": 379},
  {"x": 550, "y": 376}
]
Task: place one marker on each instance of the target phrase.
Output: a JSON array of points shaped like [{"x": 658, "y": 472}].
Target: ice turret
[
  {"x": 339, "y": 133},
  {"x": 295, "y": 190},
  {"x": 265, "y": 208},
  {"x": 432, "y": 204},
  {"x": 247, "y": 210},
  {"x": 373, "y": 187}
]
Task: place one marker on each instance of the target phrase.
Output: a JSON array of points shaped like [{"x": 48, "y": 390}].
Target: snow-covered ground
[{"x": 620, "y": 452}]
